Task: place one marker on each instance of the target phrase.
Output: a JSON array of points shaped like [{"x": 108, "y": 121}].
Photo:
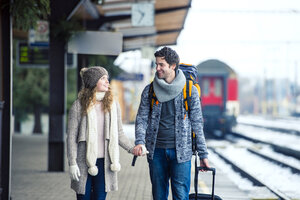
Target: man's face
[{"x": 163, "y": 69}]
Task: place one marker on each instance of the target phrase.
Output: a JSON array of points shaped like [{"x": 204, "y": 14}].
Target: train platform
[{"x": 32, "y": 181}]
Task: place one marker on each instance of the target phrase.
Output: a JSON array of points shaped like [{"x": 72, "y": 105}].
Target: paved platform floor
[{"x": 32, "y": 181}]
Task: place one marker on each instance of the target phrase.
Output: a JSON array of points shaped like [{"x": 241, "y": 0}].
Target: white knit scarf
[{"x": 92, "y": 138}]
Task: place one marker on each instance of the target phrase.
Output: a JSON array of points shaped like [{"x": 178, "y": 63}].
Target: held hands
[
  {"x": 74, "y": 172},
  {"x": 140, "y": 150}
]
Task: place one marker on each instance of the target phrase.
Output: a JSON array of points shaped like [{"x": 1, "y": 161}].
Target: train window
[
  {"x": 218, "y": 88},
  {"x": 205, "y": 87}
]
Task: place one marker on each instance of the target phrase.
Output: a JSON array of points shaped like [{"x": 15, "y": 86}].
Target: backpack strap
[
  {"x": 185, "y": 96},
  {"x": 152, "y": 96},
  {"x": 187, "y": 93},
  {"x": 198, "y": 88},
  {"x": 187, "y": 99}
]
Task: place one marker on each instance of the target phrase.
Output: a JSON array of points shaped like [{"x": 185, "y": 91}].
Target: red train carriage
[{"x": 219, "y": 97}]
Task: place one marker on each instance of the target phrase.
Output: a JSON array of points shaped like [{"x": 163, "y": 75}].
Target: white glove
[
  {"x": 144, "y": 150},
  {"x": 74, "y": 172}
]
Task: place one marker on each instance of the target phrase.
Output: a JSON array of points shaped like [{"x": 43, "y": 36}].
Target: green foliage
[
  {"x": 107, "y": 62},
  {"x": 30, "y": 90},
  {"x": 18, "y": 106},
  {"x": 26, "y": 13},
  {"x": 33, "y": 86}
]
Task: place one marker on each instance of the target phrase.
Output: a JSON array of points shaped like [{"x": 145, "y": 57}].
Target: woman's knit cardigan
[{"x": 76, "y": 147}]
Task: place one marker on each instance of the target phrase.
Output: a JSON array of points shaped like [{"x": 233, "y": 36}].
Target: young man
[{"x": 165, "y": 129}]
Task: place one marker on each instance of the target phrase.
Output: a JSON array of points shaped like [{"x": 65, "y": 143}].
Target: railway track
[
  {"x": 283, "y": 130},
  {"x": 265, "y": 156},
  {"x": 277, "y": 147},
  {"x": 294, "y": 169},
  {"x": 284, "y": 126},
  {"x": 256, "y": 180},
  {"x": 282, "y": 157}
]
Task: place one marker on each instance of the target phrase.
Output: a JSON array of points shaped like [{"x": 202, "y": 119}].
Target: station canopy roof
[{"x": 115, "y": 15}]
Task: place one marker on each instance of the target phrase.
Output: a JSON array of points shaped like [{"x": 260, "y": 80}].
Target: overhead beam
[
  {"x": 96, "y": 24},
  {"x": 166, "y": 10},
  {"x": 153, "y": 34},
  {"x": 122, "y": 14},
  {"x": 166, "y": 4},
  {"x": 115, "y": 15}
]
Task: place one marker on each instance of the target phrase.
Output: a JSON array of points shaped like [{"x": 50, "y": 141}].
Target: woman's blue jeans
[
  {"x": 164, "y": 167},
  {"x": 95, "y": 185}
]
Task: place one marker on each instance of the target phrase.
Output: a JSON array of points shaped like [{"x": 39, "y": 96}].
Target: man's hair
[{"x": 169, "y": 55}]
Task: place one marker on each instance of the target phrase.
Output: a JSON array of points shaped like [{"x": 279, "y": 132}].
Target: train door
[{"x": 212, "y": 91}]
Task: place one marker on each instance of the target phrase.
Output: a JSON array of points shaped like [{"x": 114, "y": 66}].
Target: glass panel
[
  {"x": 218, "y": 88},
  {"x": 205, "y": 87}
]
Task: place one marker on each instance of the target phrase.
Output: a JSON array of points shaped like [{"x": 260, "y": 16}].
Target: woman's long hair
[{"x": 87, "y": 98}]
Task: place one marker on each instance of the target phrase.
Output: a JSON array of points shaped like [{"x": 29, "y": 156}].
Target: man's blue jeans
[
  {"x": 95, "y": 185},
  {"x": 164, "y": 167}
]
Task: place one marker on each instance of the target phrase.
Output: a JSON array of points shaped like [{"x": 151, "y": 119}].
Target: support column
[
  {"x": 5, "y": 99},
  {"x": 57, "y": 106},
  {"x": 59, "y": 10}
]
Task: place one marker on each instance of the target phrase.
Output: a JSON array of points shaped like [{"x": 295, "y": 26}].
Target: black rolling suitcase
[{"x": 196, "y": 195}]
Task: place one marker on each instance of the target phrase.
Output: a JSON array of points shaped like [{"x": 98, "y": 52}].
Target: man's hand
[
  {"x": 204, "y": 163},
  {"x": 74, "y": 172},
  {"x": 140, "y": 150},
  {"x": 137, "y": 150}
]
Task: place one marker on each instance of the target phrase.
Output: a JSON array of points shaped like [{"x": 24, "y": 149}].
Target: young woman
[{"x": 93, "y": 135}]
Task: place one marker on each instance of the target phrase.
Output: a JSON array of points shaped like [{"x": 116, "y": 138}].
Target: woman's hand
[{"x": 74, "y": 172}]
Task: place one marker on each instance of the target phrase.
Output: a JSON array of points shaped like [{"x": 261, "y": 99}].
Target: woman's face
[{"x": 103, "y": 83}]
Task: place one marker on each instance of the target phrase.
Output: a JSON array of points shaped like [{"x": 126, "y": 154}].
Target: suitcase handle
[
  {"x": 197, "y": 169},
  {"x": 208, "y": 169}
]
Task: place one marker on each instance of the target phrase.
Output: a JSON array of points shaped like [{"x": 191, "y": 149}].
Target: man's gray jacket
[{"x": 147, "y": 124}]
